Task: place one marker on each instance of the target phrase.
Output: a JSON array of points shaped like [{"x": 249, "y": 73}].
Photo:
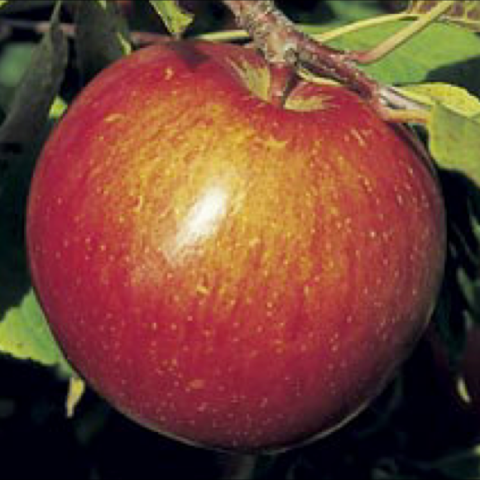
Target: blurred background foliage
[{"x": 423, "y": 426}]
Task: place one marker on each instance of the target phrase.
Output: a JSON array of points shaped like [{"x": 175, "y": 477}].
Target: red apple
[{"x": 225, "y": 270}]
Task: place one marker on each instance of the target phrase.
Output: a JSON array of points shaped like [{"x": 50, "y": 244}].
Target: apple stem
[
  {"x": 283, "y": 44},
  {"x": 282, "y": 84}
]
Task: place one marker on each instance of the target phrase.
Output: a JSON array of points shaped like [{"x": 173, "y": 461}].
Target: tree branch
[
  {"x": 138, "y": 38},
  {"x": 282, "y": 43},
  {"x": 286, "y": 47}
]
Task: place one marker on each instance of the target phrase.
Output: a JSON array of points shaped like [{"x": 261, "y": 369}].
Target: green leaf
[
  {"x": 24, "y": 334},
  {"x": 465, "y": 12},
  {"x": 454, "y": 141},
  {"x": 101, "y": 38},
  {"x": 3, "y": 2},
  {"x": 353, "y": 10},
  {"x": 57, "y": 109},
  {"x": 464, "y": 465},
  {"x": 14, "y": 61},
  {"x": 427, "y": 57},
  {"x": 29, "y": 109},
  {"x": 14, "y": 278},
  {"x": 451, "y": 96},
  {"x": 76, "y": 389},
  {"x": 457, "y": 305},
  {"x": 174, "y": 17}
]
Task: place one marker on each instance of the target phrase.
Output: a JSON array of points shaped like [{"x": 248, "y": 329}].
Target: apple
[{"x": 224, "y": 268}]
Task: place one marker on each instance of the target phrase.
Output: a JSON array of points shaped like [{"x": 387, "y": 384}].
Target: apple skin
[{"x": 224, "y": 270}]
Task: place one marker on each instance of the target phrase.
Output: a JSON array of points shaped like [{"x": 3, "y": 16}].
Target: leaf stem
[
  {"x": 235, "y": 35},
  {"x": 224, "y": 36},
  {"x": 393, "y": 42},
  {"x": 361, "y": 24}
]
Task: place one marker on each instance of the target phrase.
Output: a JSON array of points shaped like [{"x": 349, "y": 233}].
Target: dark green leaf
[
  {"x": 101, "y": 36},
  {"x": 29, "y": 109},
  {"x": 463, "y": 466},
  {"x": 14, "y": 279},
  {"x": 353, "y": 10},
  {"x": 14, "y": 61},
  {"x": 458, "y": 304}
]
